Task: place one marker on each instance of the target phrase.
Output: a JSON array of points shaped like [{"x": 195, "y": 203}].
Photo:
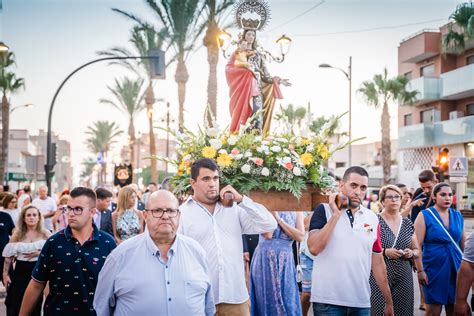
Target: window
[
  {"x": 340, "y": 164},
  {"x": 470, "y": 109},
  {"x": 427, "y": 116},
  {"x": 470, "y": 60},
  {"x": 408, "y": 75},
  {"x": 427, "y": 71},
  {"x": 408, "y": 120}
]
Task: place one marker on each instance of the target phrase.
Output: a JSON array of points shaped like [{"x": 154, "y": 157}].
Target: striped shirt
[{"x": 220, "y": 234}]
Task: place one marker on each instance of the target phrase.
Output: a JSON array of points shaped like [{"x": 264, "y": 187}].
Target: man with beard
[
  {"x": 346, "y": 242},
  {"x": 218, "y": 229}
]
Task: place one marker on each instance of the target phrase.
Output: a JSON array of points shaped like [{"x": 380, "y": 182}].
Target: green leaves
[{"x": 463, "y": 18}]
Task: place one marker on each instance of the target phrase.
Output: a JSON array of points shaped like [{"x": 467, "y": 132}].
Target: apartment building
[{"x": 443, "y": 115}]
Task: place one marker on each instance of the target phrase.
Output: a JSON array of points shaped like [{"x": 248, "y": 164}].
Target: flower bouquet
[{"x": 248, "y": 161}]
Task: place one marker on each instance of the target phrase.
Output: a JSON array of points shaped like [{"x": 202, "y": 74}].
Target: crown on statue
[{"x": 251, "y": 14}]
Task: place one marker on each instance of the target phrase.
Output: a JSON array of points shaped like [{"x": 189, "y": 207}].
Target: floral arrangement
[{"x": 248, "y": 161}]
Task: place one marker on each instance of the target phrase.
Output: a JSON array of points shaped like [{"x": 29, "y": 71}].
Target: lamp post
[
  {"x": 28, "y": 105},
  {"x": 348, "y": 75},
  {"x": 168, "y": 121},
  {"x": 4, "y": 48},
  {"x": 49, "y": 148}
]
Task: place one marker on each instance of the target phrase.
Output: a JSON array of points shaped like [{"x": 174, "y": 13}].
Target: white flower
[
  {"x": 262, "y": 148},
  {"x": 282, "y": 140},
  {"x": 212, "y": 132},
  {"x": 222, "y": 151},
  {"x": 245, "y": 168},
  {"x": 248, "y": 154},
  {"x": 286, "y": 159},
  {"x": 238, "y": 156},
  {"x": 187, "y": 157},
  {"x": 310, "y": 148},
  {"x": 215, "y": 143},
  {"x": 275, "y": 149},
  {"x": 297, "y": 171},
  {"x": 286, "y": 151},
  {"x": 232, "y": 140},
  {"x": 265, "y": 142},
  {"x": 265, "y": 172}
]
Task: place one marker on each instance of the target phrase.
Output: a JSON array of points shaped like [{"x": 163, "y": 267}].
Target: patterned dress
[
  {"x": 399, "y": 272},
  {"x": 273, "y": 286},
  {"x": 128, "y": 225}
]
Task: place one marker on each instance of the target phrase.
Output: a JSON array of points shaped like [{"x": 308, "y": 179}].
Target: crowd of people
[{"x": 217, "y": 252}]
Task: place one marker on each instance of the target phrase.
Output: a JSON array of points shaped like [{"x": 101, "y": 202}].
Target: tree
[
  {"x": 144, "y": 39},
  {"x": 180, "y": 19},
  {"x": 291, "y": 117},
  {"x": 102, "y": 135},
  {"x": 379, "y": 92},
  {"x": 128, "y": 100},
  {"x": 86, "y": 174},
  {"x": 9, "y": 84},
  {"x": 215, "y": 11},
  {"x": 460, "y": 30}
]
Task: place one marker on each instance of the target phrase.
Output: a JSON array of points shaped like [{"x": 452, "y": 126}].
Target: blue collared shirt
[
  {"x": 72, "y": 270},
  {"x": 136, "y": 281}
]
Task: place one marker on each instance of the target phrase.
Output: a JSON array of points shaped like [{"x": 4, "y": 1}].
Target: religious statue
[{"x": 251, "y": 87}]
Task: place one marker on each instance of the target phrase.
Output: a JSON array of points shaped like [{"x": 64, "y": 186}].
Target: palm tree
[
  {"x": 88, "y": 164},
  {"x": 128, "y": 100},
  {"x": 213, "y": 24},
  {"x": 380, "y": 91},
  {"x": 102, "y": 135},
  {"x": 144, "y": 39},
  {"x": 9, "y": 84},
  {"x": 180, "y": 19},
  {"x": 461, "y": 30},
  {"x": 291, "y": 117}
]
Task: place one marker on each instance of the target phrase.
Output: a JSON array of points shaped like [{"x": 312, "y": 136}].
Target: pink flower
[
  {"x": 289, "y": 165},
  {"x": 258, "y": 161},
  {"x": 235, "y": 151}
]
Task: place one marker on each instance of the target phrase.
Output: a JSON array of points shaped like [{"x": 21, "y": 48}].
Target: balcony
[
  {"x": 429, "y": 89},
  {"x": 419, "y": 46},
  {"x": 458, "y": 83},
  {"x": 442, "y": 133}
]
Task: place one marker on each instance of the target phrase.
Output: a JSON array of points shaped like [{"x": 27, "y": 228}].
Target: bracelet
[{"x": 420, "y": 271}]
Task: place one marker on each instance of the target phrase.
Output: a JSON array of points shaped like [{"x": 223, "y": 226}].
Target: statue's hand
[{"x": 285, "y": 82}]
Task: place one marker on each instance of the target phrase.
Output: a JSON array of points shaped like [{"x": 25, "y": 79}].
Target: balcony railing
[
  {"x": 448, "y": 132},
  {"x": 458, "y": 83},
  {"x": 429, "y": 89}
]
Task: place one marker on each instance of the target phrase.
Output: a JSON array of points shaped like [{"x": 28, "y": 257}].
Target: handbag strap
[{"x": 444, "y": 228}]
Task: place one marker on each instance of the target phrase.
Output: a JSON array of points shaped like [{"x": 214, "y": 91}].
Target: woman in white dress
[
  {"x": 24, "y": 248},
  {"x": 10, "y": 207}
]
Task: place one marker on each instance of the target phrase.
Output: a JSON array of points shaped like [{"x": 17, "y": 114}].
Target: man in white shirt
[
  {"x": 158, "y": 272},
  {"x": 219, "y": 230},
  {"x": 46, "y": 205}
]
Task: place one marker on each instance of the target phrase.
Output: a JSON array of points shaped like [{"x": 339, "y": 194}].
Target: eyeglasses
[
  {"x": 159, "y": 212},
  {"x": 394, "y": 198},
  {"x": 75, "y": 210}
]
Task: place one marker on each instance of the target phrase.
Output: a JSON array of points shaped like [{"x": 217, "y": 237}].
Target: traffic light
[{"x": 443, "y": 164}]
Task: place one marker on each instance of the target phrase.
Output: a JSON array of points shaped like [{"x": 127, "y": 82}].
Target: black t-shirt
[
  {"x": 417, "y": 209},
  {"x": 6, "y": 229}
]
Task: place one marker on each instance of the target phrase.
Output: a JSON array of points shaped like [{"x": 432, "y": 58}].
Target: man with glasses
[
  {"x": 158, "y": 272},
  {"x": 219, "y": 229},
  {"x": 70, "y": 261}
]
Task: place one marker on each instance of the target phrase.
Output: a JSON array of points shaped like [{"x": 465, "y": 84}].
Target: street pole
[
  {"x": 48, "y": 168},
  {"x": 350, "y": 109},
  {"x": 167, "y": 136}
]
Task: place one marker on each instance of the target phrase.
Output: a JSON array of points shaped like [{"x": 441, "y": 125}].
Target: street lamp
[
  {"x": 28, "y": 105},
  {"x": 348, "y": 75},
  {"x": 167, "y": 134},
  {"x": 157, "y": 58}
]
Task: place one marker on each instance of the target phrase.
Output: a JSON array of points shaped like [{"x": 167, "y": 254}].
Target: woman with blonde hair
[
  {"x": 60, "y": 218},
  {"x": 127, "y": 222},
  {"x": 400, "y": 246},
  {"x": 24, "y": 248}
]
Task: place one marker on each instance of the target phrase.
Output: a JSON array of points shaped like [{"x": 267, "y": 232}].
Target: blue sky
[{"x": 52, "y": 38}]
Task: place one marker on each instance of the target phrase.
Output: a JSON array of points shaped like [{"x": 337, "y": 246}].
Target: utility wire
[
  {"x": 299, "y": 15},
  {"x": 366, "y": 30}
]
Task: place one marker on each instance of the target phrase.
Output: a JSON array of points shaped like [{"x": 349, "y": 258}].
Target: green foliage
[
  {"x": 102, "y": 135},
  {"x": 460, "y": 30}
]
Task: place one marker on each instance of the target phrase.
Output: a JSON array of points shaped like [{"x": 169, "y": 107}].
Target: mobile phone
[{"x": 341, "y": 201}]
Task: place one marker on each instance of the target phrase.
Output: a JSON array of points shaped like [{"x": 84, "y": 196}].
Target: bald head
[{"x": 162, "y": 199}]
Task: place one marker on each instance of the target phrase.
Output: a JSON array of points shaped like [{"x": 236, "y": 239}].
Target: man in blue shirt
[
  {"x": 70, "y": 261},
  {"x": 158, "y": 272}
]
